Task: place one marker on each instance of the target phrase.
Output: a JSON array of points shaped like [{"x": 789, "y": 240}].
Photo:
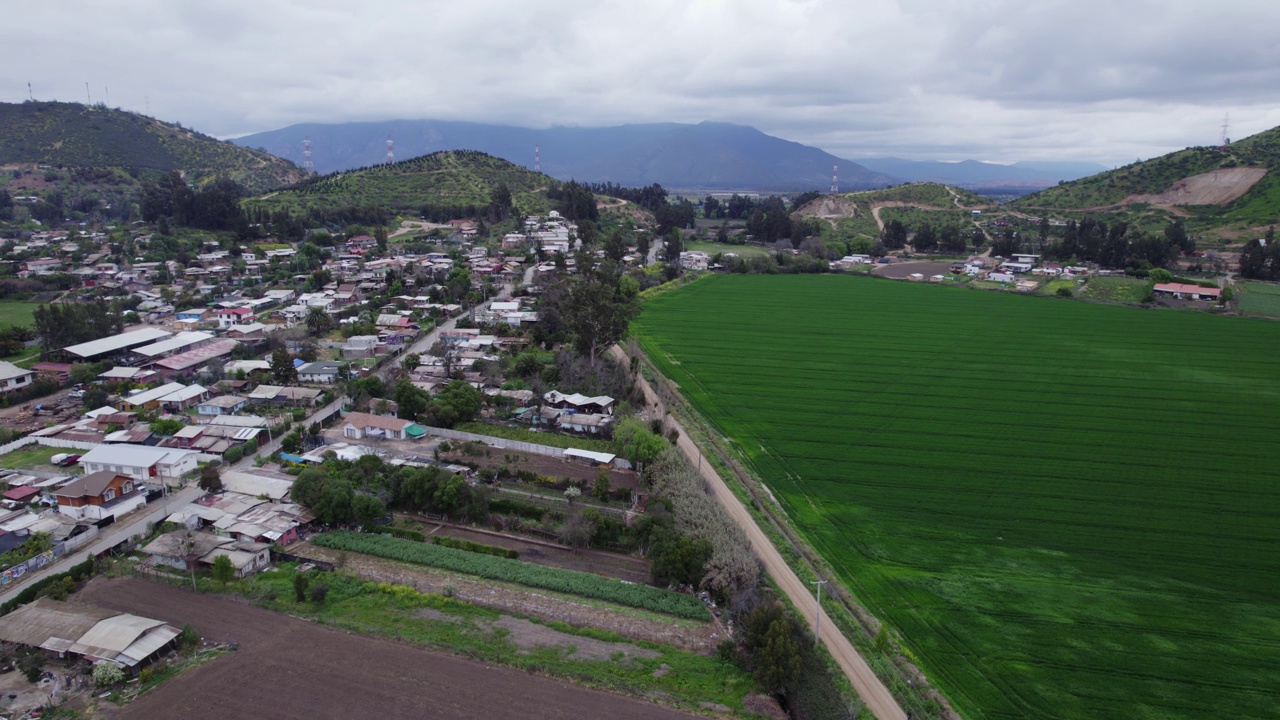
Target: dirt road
[
  {"x": 873, "y": 692},
  {"x": 288, "y": 669}
]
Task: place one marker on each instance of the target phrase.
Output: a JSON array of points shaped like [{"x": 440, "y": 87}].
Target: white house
[
  {"x": 13, "y": 377},
  {"x": 140, "y": 462},
  {"x": 359, "y": 425}
]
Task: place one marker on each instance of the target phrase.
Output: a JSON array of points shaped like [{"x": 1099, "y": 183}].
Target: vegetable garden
[
  {"x": 1063, "y": 509},
  {"x": 537, "y": 576}
]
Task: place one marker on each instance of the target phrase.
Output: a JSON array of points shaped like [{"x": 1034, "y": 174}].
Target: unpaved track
[
  {"x": 291, "y": 669},
  {"x": 873, "y": 692}
]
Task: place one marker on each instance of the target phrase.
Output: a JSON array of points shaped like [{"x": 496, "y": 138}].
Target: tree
[
  {"x": 894, "y": 235},
  {"x": 223, "y": 571},
  {"x": 636, "y": 442},
  {"x": 282, "y": 369},
  {"x": 411, "y": 362},
  {"x": 597, "y": 309},
  {"x": 676, "y": 559},
  {"x": 166, "y": 426},
  {"x": 380, "y": 237},
  {"x": 458, "y": 402},
  {"x": 411, "y": 401},
  {"x": 777, "y": 659},
  {"x": 926, "y": 239},
  {"x": 318, "y": 321},
  {"x": 600, "y": 489},
  {"x": 366, "y": 509},
  {"x": 300, "y": 582},
  {"x": 210, "y": 478}
]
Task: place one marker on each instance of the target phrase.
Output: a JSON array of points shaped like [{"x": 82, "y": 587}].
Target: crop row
[{"x": 496, "y": 568}]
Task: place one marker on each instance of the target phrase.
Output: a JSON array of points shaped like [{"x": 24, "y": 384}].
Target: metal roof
[
  {"x": 33, "y": 624},
  {"x": 9, "y": 370},
  {"x": 177, "y": 342},
  {"x": 589, "y": 455},
  {"x": 111, "y": 636},
  {"x": 150, "y": 642},
  {"x": 116, "y": 343},
  {"x": 182, "y": 361},
  {"x": 255, "y": 485},
  {"x": 153, "y": 394}
]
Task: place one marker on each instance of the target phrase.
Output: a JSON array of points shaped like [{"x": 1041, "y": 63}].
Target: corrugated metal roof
[
  {"x": 153, "y": 394},
  {"x": 33, "y": 624},
  {"x": 150, "y": 642},
  {"x": 177, "y": 342},
  {"x": 115, "y": 343}
]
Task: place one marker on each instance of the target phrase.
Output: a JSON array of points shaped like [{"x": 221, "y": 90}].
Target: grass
[
  {"x": 573, "y": 582},
  {"x": 30, "y": 456},
  {"x": 1064, "y": 510},
  {"x": 396, "y": 612},
  {"x": 16, "y": 312},
  {"x": 713, "y": 248},
  {"x": 539, "y": 438},
  {"x": 1117, "y": 289},
  {"x": 1260, "y": 299}
]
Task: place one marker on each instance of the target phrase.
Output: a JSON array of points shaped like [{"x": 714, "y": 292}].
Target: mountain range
[{"x": 705, "y": 156}]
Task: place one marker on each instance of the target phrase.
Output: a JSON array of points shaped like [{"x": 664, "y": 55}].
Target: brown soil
[
  {"x": 288, "y": 669},
  {"x": 1216, "y": 187},
  {"x": 899, "y": 271},
  {"x": 527, "y": 602},
  {"x": 541, "y": 552},
  {"x": 58, "y": 408}
]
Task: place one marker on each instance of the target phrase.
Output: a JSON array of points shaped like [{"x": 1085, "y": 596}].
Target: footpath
[{"x": 864, "y": 681}]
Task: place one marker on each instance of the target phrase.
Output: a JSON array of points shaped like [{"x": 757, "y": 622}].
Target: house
[
  {"x": 246, "y": 366},
  {"x": 184, "y": 399},
  {"x": 600, "y": 404},
  {"x": 99, "y": 495},
  {"x": 1001, "y": 277},
  {"x": 223, "y": 405},
  {"x": 359, "y": 347},
  {"x": 251, "y": 331},
  {"x": 13, "y": 377},
  {"x": 1183, "y": 291},
  {"x": 148, "y": 400},
  {"x": 140, "y": 462},
  {"x": 175, "y": 548},
  {"x": 359, "y": 425},
  {"x": 193, "y": 315},
  {"x": 234, "y": 316},
  {"x": 388, "y": 320},
  {"x": 323, "y": 373}
]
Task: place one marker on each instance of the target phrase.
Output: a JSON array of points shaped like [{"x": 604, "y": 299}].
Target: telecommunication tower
[
  {"x": 391, "y": 150},
  {"x": 537, "y": 159},
  {"x": 1226, "y": 123},
  {"x": 306, "y": 155},
  {"x": 835, "y": 179}
]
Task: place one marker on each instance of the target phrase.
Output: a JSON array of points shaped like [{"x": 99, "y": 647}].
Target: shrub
[
  {"x": 233, "y": 455},
  {"x": 106, "y": 673},
  {"x": 188, "y": 636},
  {"x": 469, "y": 546},
  {"x": 319, "y": 593},
  {"x": 300, "y": 582},
  {"x": 403, "y": 533},
  {"x": 1065, "y": 292}
]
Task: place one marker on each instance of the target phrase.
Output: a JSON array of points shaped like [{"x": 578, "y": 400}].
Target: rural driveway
[{"x": 873, "y": 692}]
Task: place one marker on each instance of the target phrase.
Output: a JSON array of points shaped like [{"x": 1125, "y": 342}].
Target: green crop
[{"x": 1064, "y": 509}]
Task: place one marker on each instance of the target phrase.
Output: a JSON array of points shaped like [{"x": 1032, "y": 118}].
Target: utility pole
[{"x": 817, "y": 616}]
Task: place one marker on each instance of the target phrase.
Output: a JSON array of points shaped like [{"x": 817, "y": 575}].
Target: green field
[
  {"x": 1117, "y": 289},
  {"x": 714, "y": 248},
  {"x": 16, "y": 312},
  {"x": 1065, "y": 509},
  {"x": 1260, "y": 299}
]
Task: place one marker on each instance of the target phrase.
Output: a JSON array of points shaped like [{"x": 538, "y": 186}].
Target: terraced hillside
[{"x": 1063, "y": 509}]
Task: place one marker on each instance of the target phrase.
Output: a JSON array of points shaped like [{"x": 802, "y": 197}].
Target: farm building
[
  {"x": 95, "y": 350},
  {"x": 1182, "y": 291},
  {"x": 184, "y": 364},
  {"x": 601, "y": 404},
  {"x": 64, "y": 628}
]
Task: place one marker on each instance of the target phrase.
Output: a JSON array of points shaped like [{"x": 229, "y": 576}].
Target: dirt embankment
[
  {"x": 290, "y": 669},
  {"x": 1216, "y": 187}
]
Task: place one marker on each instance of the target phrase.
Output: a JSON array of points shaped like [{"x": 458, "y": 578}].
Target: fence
[
  {"x": 47, "y": 442},
  {"x": 277, "y": 556},
  {"x": 556, "y": 502},
  {"x": 17, "y": 571},
  {"x": 497, "y": 442}
]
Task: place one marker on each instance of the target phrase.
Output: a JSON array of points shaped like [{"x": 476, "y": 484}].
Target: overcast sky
[{"x": 1000, "y": 80}]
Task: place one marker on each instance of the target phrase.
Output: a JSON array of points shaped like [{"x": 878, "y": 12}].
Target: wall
[{"x": 497, "y": 442}]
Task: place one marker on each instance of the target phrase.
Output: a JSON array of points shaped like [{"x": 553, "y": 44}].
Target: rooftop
[{"x": 116, "y": 343}]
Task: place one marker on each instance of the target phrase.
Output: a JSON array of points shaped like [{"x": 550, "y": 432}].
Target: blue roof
[
  {"x": 298, "y": 362},
  {"x": 287, "y": 457}
]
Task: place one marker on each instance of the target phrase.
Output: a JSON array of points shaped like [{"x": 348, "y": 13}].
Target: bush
[
  {"x": 469, "y": 546},
  {"x": 188, "y": 636},
  {"x": 106, "y": 673},
  {"x": 1065, "y": 292},
  {"x": 233, "y": 454},
  {"x": 300, "y": 582},
  {"x": 319, "y": 593},
  {"x": 403, "y": 533}
]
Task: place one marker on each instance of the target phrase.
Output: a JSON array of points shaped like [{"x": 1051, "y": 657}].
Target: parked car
[{"x": 65, "y": 460}]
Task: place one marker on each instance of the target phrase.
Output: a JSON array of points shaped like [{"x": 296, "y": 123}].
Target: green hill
[
  {"x": 123, "y": 148},
  {"x": 1237, "y": 186},
  {"x": 448, "y": 178}
]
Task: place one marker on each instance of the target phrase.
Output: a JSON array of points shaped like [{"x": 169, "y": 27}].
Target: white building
[{"x": 141, "y": 462}]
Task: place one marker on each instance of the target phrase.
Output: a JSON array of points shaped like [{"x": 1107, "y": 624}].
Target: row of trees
[
  {"x": 62, "y": 324},
  {"x": 1119, "y": 245},
  {"x": 1260, "y": 259}
]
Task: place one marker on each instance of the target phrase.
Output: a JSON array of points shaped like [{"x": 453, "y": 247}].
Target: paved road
[
  {"x": 873, "y": 692},
  {"x": 134, "y": 524}
]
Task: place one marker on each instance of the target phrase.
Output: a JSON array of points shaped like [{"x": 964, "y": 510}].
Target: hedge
[
  {"x": 476, "y": 547},
  {"x": 76, "y": 573}
]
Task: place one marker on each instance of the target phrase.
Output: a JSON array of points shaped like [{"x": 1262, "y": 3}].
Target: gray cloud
[{"x": 999, "y": 79}]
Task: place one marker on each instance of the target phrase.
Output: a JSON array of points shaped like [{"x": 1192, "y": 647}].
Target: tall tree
[
  {"x": 282, "y": 369},
  {"x": 318, "y": 321}
]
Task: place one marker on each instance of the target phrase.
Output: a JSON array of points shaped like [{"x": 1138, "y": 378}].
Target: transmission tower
[
  {"x": 391, "y": 150},
  {"x": 835, "y": 179},
  {"x": 537, "y": 159},
  {"x": 1226, "y": 123},
  {"x": 306, "y": 155}
]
